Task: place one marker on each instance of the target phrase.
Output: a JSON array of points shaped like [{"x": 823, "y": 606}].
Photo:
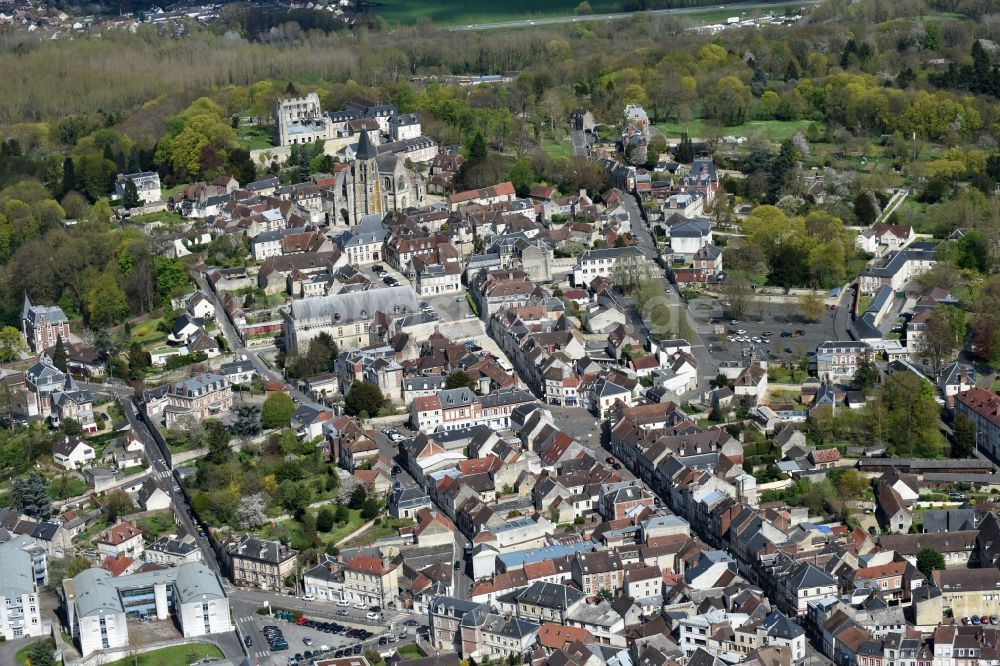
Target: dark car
[
  {"x": 458, "y": 565},
  {"x": 377, "y": 268},
  {"x": 383, "y": 641},
  {"x": 411, "y": 623},
  {"x": 338, "y": 654},
  {"x": 353, "y": 633},
  {"x": 248, "y": 641},
  {"x": 358, "y": 648}
]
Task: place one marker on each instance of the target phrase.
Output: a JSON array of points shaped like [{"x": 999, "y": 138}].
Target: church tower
[{"x": 367, "y": 190}]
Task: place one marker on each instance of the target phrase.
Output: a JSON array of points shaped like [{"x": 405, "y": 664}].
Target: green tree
[
  {"x": 929, "y": 561},
  {"x": 29, "y": 494},
  {"x": 866, "y": 376},
  {"x": 76, "y": 565},
  {"x": 358, "y": 497},
  {"x": 42, "y": 653},
  {"x": 477, "y": 150},
  {"x": 963, "y": 437},
  {"x": 342, "y": 515},
  {"x": 906, "y": 416},
  {"x": 941, "y": 333},
  {"x": 130, "y": 197},
  {"x": 68, "y": 176},
  {"x": 11, "y": 344},
  {"x": 106, "y": 304},
  {"x": 216, "y": 438},
  {"x": 584, "y": 8},
  {"x": 459, "y": 379},
  {"x": 371, "y": 508},
  {"x": 363, "y": 397},
  {"x": 729, "y": 102},
  {"x": 277, "y": 411},
  {"x": 325, "y": 520},
  {"x": 138, "y": 361},
  {"x": 59, "y": 354},
  {"x": 247, "y": 420},
  {"x": 811, "y": 306},
  {"x": 117, "y": 503}
]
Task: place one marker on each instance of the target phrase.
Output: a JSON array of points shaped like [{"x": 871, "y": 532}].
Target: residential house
[{"x": 258, "y": 563}]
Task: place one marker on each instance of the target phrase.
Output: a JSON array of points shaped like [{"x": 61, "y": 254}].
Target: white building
[
  {"x": 99, "y": 606},
  {"x": 601, "y": 263},
  {"x": 147, "y": 184},
  {"x": 72, "y": 452},
  {"x": 301, "y": 120},
  {"x": 402, "y": 127},
  {"x": 20, "y": 614}
]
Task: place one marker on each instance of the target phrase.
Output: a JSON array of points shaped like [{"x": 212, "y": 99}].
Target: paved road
[
  {"x": 580, "y": 140},
  {"x": 617, "y": 16},
  {"x": 236, "y": 344}
]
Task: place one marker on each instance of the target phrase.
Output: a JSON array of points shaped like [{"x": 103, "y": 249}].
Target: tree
[
  {"x": 216, "y": 438},
  {"x": 76, "y": 565},
  {"x": 42, "y": 653},
  {"x": 117, "y": 503},
  {"x": 866, "y": 376},
  {"x": 277, "y": 411},
  {"x": 29, "y": 494},
  {"x": 130, "y": 198},
  {"x": 459, "y": 379},
  {"x": 247, "y": 421},
  {"x": 11, "y": 344},
  {"x": 851, "y": 484},
  {"x": 730, "y": 102},
  {"x": 138, "y": 361},
  {"x": 371, "y": 508},
  {"x": 68, "y": 176},
  {"x": 477, "y": 150},
  {"x": 905, "y": 416},
  {"x": 940, "y": 333},
  {"x": 251, "y": 512},
  {"x": 325, "y": 520},
  {"x": 929, "y": 561},
  {"x": 358, "y": 497},
  {"x": 963, "y": 437},
  {"x": 738, "y": 291},
  {"x": 866, "y": 208},
  {"x": 684, "y": 153},
  {"x": 59, "y": 354},
  {"x": 811, "y": 306},
  {"x": 341, "y": 515},
  {"x": 584, "y": 8},
  {"x": 363, "y": 397}
]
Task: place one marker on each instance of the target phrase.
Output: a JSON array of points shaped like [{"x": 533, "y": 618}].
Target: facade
[
  {"x": 372, "y": 581},
  {"x": 173, "y": 551},
  {"x": 99, "y": 606},
  {"x": 257, "y": 563},
  {"x": 147, "y": 184},
  {"x": 121, "y": 539},
  {"x": 202, "y": 397},
  {"x": 838, "y": 360},
  {"x": 42, "y": 326},
  {"x": 374, "y": 184},
  {"x": 346, "y": 317},
  {"x": 20, "y": 610},
  {"x": 982, "y": 407},
  {"x": 72, "y": 452},
  {"x": 601, "y": 263},
  {"x": 301, "y": 120}
]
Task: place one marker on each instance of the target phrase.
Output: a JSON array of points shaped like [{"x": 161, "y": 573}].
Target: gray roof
[
  {"x": 357, "y": 306},
  {"x": 610, "y": 253},
  {"x": 96, "y": 592},
  {"x": 366, "y": 150},
  {"x": 809, "y": 576},
  {"x": 550, "y": 595},
  {"x": 17, "y": 576},
  {"x": 250, "y": 547}
]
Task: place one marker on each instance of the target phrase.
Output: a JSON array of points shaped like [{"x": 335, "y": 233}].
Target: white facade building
[{"x": 19, "y": 609}]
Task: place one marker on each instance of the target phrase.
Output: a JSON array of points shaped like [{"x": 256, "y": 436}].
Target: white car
[
  {"x": 343, "y": 602},
  {"x": 372, "y": 615},
  {"x": 741, "y": 332},
  {"x": 308, "y": 597},
  {"x": 360, "y": 605}
]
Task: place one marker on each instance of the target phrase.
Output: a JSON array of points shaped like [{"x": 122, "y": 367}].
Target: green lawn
[
  {"x": 158, "y": 524},
  {"x": 388, "y": 528},
  {"x": 775, "y": 130},
  {"x": 175, "y": 655},
  {"x": 65, "y": 487},
  {"x": 557, "y": 148},
  {"x": 294, "y": 528},
  {"x": 147, "y": 334},
  {"x": 253, "y": 138},
  {"x": 463, "y": 12},
  {"x": 411, "y": 651},
  {"x": 166, "y": 217}
]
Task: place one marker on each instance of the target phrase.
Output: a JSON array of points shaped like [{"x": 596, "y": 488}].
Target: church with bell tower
[{"x": 375, "y": 184}]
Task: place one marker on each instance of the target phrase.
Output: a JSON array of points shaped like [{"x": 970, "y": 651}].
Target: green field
[
  {"x": 775, "y": 130},
  {"x": 465, "y": 12},
  {"x": 175, "y": 655}
]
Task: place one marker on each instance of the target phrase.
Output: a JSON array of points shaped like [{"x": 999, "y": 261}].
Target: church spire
[{"x": 366, "y": 149}]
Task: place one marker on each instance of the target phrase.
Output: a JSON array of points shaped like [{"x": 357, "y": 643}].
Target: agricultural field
[{"x": 465, "y": 12}]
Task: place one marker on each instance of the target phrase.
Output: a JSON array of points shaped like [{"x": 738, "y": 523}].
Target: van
[{"x": 343, "y": 602}]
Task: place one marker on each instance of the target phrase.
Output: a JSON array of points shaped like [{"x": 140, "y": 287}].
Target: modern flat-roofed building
[
  {"x": 19, "y": 608},
  {"x": 99, "y": 606}
]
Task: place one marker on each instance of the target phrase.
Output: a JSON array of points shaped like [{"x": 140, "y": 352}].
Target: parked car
[
  {"x": 307, "y": 640},
  {"x": 309, "y": 597},
  {"x": 371, "y": 615},
  {"x": 358, "y": 648},
  {"x": 248, "y": 641},
  {"x": 343, "y": 602}
]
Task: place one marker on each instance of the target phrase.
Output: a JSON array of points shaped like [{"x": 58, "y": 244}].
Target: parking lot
[
  {"x": 309, "y": 642},
  {"x": 767, "y": 319}
]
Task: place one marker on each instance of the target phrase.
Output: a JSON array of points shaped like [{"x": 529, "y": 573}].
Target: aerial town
[{"x": 584, "y": 349}]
